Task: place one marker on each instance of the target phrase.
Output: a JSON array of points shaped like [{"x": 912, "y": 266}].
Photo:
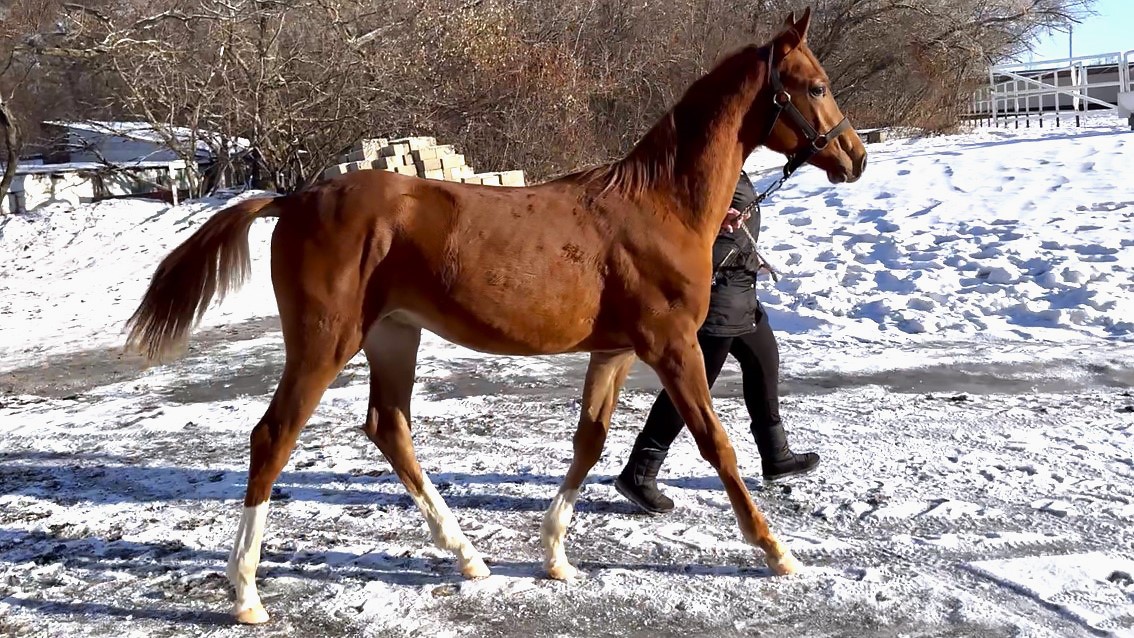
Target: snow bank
[{"x": 1012, "y": 234}]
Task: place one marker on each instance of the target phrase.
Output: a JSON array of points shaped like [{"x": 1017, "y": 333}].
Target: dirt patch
[
  {"x": 255, "y": 372},
  {"x": 78, "y": 372}
]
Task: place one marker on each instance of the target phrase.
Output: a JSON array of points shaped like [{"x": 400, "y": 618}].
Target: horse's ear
[
  {"x": 804, "y": 22},
  {"x": 792, "y": 34}
]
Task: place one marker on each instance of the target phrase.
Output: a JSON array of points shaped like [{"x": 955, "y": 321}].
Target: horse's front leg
[
  {"x": 605, "y": 376},
  {"x": 680, "y": 366}
]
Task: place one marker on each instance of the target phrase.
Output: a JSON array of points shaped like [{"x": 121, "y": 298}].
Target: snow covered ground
[{"x": 957, "y": 335}]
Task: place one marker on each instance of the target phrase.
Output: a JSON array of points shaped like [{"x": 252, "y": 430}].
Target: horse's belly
[{"x": 511, "y": 325}]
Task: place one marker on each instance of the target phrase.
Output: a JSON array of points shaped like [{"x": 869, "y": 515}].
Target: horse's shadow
[
  {"x": 71, "y": 478},
  {"x": 205, "y": 568},
  {"x": 109, "y": 480},
  {"x": 79, "y": 609}
]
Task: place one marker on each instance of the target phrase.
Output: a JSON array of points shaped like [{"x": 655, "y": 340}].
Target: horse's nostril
[{"x": 862, "y": 164}]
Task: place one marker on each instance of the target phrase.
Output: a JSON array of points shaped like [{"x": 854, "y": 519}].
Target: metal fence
[{"x": 1055, "y": 90}]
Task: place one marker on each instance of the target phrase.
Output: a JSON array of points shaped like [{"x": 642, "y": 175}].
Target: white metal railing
[
  {"x": 1053, "y": 87},
  {"x": 1095, "y": 59},
  {"x": 1127, "y": 72},
  {"x": 1126, "y": 96}
]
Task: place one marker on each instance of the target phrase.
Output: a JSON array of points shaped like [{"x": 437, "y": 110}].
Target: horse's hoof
[
  {"x": 252, "y": 615},
  {"x": 475, "y": 569},
  {"x": 562, "y": 571},
  {"x": 785, "y": 565}
]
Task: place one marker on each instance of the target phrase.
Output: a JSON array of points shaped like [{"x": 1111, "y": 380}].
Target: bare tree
[
  {"x": 282, "y": 86},
  {"x": 551, "y": 87},
  {"x": 10, "y": 81},
  {"x": 34, "y": 87},
  {"x": 275, "y": 90},
  {"x": 12, "y": 145},
  {"x": 915, "y": 62}
]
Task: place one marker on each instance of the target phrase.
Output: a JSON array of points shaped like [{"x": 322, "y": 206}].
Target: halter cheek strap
[{"x": 781, "y": 103}]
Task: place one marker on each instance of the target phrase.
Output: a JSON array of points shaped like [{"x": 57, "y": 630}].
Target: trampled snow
[{"x": 957, "y": 334}]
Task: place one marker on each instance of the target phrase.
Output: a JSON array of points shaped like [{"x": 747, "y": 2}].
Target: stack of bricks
[{"x": 421, "y": 157}]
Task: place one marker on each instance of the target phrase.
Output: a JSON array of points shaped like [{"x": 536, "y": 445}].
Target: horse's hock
[{"x": 419, "y": 156}]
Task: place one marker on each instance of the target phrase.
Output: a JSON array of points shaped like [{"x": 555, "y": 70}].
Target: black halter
[{"x": 781, "y": 101}]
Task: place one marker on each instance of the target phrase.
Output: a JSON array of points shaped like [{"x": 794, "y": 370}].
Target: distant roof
[
  {"x": 71, "y": 167},
  {"x": 147, "y": 132}
]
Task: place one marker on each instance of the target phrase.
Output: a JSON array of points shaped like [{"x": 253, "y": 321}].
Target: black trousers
[{"x": 759, "y": 357}]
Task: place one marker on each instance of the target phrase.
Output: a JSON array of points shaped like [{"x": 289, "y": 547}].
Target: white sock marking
[
  {"x": 245, "y": 556},
  {"x": 445, "y": 529},
  {"x": 555, "y": 522}
]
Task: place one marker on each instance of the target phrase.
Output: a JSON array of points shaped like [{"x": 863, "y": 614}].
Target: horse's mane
[{"x": 654, "y": 158}]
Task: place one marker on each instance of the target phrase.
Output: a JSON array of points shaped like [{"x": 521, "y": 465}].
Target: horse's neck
[{"x": 708, "y": 143}]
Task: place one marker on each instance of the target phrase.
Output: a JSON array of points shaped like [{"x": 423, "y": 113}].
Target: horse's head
[{"x": 809, "y": 126}]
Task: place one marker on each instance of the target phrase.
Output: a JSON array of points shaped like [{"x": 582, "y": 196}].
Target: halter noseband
[{"x": 781, "y": 101}]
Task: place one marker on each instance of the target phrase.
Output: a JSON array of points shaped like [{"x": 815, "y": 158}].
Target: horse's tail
[{"x": 214, "y": 260}]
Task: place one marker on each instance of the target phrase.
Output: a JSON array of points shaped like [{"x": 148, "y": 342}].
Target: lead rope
[{"x": 747, "y": 209}]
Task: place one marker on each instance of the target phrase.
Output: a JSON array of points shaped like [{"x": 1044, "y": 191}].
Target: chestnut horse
[{"x": 614, "y": 261}]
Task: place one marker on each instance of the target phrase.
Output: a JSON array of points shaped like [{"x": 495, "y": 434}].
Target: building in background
[{"x": 92, "y": 160}]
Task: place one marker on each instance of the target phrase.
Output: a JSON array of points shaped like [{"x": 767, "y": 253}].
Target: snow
[
  {"x": 1032, "y": 241},
  {"x": 1093, "y": 588},
  {"x": 71, "y": 277},
  {"x": 148, "y": 132},
  {"x": 957, "y": 341}
]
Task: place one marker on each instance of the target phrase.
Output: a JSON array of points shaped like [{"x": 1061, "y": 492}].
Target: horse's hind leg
[
  {"x": 391, "y": 349},
  {"x": 605, "y": 375},
  {"x": 314, "y": 359}
]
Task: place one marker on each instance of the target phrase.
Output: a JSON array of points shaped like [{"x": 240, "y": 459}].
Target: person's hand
[{"x": 733, "y": 219}]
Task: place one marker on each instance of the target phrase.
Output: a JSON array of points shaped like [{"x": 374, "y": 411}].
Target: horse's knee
[
  {"x": 382, "y": 428},
  {"x": 590, "y": 437},
  {"x": 715, "y": 448}
]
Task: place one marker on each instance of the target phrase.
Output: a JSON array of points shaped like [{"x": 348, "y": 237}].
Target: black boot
[
  {"x": 638, "y": 480},
  {"x": 776, "y": 457}
]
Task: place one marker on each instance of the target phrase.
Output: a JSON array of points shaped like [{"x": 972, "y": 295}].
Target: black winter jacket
[{"x": 734, "y": 308}]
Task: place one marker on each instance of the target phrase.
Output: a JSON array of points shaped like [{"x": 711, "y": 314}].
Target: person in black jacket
[{"x": 736, "y": 324}]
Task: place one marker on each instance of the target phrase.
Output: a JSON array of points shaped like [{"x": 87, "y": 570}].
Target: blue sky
[{"x": 1111, "y": 29}]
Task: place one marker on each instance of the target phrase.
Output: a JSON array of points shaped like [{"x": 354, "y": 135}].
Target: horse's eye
[{"x": 818, "y": 90}]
